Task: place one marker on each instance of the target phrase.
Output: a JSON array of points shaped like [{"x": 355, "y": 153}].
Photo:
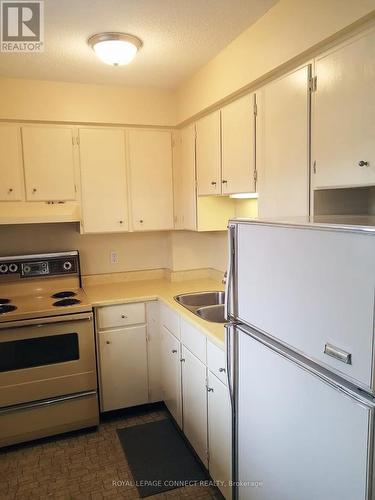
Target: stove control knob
[
  {"x": 13, "y": 268},
  {"x": 3, "y": 268},
  {"x": 67, "y": 265}
]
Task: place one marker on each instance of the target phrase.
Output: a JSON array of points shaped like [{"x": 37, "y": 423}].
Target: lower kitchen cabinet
[
  {"x": 194, "y": 403},
  {"x": 219, "y": 434},
  {"x": 149, "y": 352},
  {"x": 123, "y": 367},
  {"x": 171, "y": 374}
]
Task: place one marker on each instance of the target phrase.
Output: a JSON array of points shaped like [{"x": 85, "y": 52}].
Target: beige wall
[
  {"x": 137, "y": 251},
  {"x": 190, "y": 250},
  {"x": 75, "y": 102},
  {"x": 287, "y": 30}
]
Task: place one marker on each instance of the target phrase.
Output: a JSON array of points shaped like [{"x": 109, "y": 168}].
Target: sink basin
[
  {"x": 215, "y": 314},
  {"x": 207, "y": 305},
  {"x": 200, "y": 299}
]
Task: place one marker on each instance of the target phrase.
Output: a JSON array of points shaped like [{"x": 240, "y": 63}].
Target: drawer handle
[
  {"x": 174, "y": 351},
  {"x": 222, "y": 370},
  {"x": 123, "y": 316},
  {"x": 337, "y": 353}
]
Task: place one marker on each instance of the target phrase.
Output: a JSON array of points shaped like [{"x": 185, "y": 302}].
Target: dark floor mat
[{"x": 159, "y": 457}]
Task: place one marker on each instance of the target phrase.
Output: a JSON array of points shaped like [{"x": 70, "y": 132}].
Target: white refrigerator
[{"x": 300, "y": 300}]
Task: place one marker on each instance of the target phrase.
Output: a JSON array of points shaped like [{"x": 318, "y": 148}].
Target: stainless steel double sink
[{"x": 206, "y": 305}]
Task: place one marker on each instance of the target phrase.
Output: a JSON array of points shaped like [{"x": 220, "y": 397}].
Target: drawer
[
  {"x": 170, "y": 319},
  {"x": 216, "y": 361},
  {"x": 121, "y": 315},
  {"x": 194, "y": 340}
]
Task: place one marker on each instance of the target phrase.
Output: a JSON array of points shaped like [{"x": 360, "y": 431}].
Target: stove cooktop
[
  {"x": 41, "y": 285},
  {"x": 43, "y": 303}
]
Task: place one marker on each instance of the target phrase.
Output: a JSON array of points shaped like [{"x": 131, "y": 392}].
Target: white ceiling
[{"x": 179, "y": 37}]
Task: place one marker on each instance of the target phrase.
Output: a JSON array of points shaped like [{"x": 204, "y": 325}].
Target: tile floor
[{"x": 82, "y": 465}]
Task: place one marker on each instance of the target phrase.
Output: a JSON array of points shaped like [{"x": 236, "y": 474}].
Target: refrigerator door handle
[
  {"x": 337, "y": 353},
  {"x": 228, "y": 283}
]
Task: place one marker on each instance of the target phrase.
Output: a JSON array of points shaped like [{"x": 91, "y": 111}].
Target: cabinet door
[
  {"x": 185, "y": 198},
  {"x": 11, "y": 175},
  {"x": 150, "y": 162},
  {"x": 171, "y": 373},
  {"x": 238, "y": 146},
  {"x": 153, "y": 351},
  {"x": 208, "y": 154},
  {"x": 49, "y": 163},
  {"x": 219, "y": 434},
  {"x": 301, "y": 437},
  {"x": 103, "y": 176},
  {"x": 194, "y": 403},
  {"x": 283, "y": 146},
  {"x": 123, "y": 368},
  {"x": 344, "y": 115}
]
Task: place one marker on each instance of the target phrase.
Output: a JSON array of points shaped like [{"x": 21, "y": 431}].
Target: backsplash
[{"x": 176, "y": 250}]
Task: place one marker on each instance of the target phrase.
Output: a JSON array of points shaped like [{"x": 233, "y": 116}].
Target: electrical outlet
[{"x": 114, "y": 257}]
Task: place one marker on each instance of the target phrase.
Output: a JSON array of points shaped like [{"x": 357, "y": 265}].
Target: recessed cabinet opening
[
  {"x": 359, "y": 201},
  {"x": 213, "y": 212}
]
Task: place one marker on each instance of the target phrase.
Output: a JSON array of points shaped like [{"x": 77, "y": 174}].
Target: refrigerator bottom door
[{"x": 298, "y": 437}]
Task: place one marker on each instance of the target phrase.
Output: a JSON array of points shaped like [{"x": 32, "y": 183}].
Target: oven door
[{"x": 48, "y": 357}]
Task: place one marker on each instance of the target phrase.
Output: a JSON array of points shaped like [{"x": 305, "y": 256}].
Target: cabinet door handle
[
  {"x": 213, "y": 183},
  {"x": 34, "y": 190},
  {"x": 224, "y": 182},
  {"x": 210, "y": 389},
  {"x": 182, "y": 360},
  {"x": 174, "y": 351},
  {"x": 123, "y": 316},
  {"x": 222, "y": 370},
  {"x": 121, "y": 221},
  {"x": 363, "y": 163},
  {"x": 107, "y": 342},
  {"x": 10, "y": 190}
]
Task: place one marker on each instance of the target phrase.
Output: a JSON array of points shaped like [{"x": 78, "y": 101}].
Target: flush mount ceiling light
[{"x": 115, "y": 48}]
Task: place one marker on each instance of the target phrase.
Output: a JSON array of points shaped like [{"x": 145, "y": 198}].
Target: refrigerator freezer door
[
  {"x": 298, "y": 436},
  {"x": 313, "y": 290}
]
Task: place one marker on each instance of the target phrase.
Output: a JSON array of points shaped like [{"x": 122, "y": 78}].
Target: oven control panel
[{"x": 30, "y": 266}]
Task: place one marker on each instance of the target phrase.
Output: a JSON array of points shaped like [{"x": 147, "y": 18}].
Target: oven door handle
[
  {"x": 45, "y": 321},
  {"x": 46, "y": 402}
]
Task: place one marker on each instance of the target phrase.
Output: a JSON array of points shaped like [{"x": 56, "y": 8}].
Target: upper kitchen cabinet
[
  {"x": 11, "y": 172},
  {"x": 103, "y": 180},
  {"x": 150, "y": 170},
  {"x": 344, "y": 115},
  {"x": 185, "y": 206},
  {"x": 49, "y": 165},
  {"x": 238, "y": 146},
  {"x": 208, "y": 154},
  {"x": 283, "y": 145}
]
